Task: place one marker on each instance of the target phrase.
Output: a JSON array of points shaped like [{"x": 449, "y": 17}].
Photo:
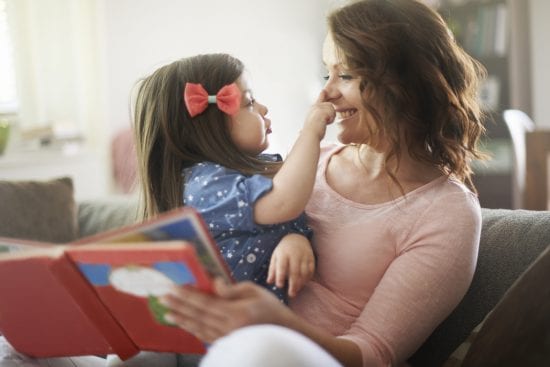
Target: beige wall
[{"x": 279, "y": 42}]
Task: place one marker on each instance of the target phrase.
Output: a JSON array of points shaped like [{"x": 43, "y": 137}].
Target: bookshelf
[{"x": 485, "y": 29}]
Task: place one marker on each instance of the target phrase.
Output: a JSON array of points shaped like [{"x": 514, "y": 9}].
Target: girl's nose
[{"x": 263, "y": 109}]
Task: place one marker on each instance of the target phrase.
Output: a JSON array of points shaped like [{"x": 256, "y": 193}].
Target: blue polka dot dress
[{"x": 225, "y": 198}]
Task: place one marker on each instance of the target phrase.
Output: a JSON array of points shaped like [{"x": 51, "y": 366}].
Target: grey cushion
[
  {"x": 517, "y": 331},
  {"x": 510, "y": 241},
  {"x": 38, "y": 210}
]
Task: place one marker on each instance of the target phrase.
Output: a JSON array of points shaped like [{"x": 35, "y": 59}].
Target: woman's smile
[{"x": 344, "y": 114}]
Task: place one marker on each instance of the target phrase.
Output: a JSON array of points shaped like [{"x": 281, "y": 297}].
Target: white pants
[
  {"x": 252, "y": 346},
  {"x": 267, "y": 346}
]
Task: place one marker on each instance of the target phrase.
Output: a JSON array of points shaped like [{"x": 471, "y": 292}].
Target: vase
[{"x": 4, "y": 134}]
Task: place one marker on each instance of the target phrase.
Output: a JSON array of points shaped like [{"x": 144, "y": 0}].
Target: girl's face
[
  {"x": 249, "y": 127},
  {"x": 342, "y": 90}
]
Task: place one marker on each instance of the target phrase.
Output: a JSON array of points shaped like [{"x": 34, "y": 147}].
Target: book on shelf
[
  {"x": 501, "y": 30},
  {"x": 481, "y": 28},
  {"x": 100, "y": 295}
]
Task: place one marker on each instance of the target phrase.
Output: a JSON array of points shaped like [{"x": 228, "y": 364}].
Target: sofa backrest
[
  {"x": 510, "y": 241},
  {"x": 96, "y": 216}
]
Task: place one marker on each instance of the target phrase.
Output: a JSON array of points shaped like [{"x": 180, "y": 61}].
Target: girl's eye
[
  {"x": 326, "y": 77},
  {"x": 251, "y": 102}
]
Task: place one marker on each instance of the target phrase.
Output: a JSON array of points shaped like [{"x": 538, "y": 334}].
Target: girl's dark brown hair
[
  {"x": 169, "y": 140},
  {"x": 416, "y": 82}
]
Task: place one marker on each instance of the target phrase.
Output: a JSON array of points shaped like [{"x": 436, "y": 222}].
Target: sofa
[{"x": 512, "y": 241}]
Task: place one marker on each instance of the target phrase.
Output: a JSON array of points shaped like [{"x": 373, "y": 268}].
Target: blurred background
[{"x": 67, "y": 69}]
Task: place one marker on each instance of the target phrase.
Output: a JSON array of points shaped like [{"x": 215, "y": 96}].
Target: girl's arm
[
  {"x": 293, "y": 184},
  {"x": 292, "y": 260},
  {"x": 210, "y": 317}
]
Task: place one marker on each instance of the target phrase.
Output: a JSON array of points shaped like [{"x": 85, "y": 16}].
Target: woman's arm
[
  {"x": 210, "y": 317},
  {"x": 293, "y": 184}
]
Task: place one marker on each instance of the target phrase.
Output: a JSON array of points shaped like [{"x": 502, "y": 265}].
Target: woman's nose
[
  {"x": 263, "y": 109},
  {"x": 331, "y": 90}
]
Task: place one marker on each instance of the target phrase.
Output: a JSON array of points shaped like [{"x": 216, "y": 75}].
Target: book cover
[
  {"x": 43, "y": 317},
  {"x": 100, "y": 295},
  {"x": 129, "y": 279}
]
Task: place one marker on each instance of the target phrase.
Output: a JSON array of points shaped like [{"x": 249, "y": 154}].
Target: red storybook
[{"x": 99, "y": 295}]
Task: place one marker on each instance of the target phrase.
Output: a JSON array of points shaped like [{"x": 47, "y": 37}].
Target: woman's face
[
  {"x": 249, "y": 127},
  {"x": 342, "y": 90}
]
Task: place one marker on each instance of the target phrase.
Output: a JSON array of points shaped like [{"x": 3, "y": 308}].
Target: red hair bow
[{"x": 228, "y": 99}]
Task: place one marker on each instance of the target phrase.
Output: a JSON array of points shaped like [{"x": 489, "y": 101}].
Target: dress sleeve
[
  {"x": 238, "y": 206},
  {"x": 429, "y": 276},
  {"x": 225, "y": 198}
]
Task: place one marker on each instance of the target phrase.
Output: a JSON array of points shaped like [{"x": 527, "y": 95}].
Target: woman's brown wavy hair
[
  {"x": 169, "y": 140},
  {"x": 416, "y": 82}
]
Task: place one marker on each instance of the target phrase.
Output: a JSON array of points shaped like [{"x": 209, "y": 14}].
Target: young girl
[{"x": 199, "y": 136}]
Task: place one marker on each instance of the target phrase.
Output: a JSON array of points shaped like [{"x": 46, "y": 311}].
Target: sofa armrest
[{"x": 510, "y": 241}]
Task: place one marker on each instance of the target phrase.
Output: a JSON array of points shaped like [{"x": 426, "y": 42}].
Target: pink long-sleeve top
[{"x": 388, "y": 274}]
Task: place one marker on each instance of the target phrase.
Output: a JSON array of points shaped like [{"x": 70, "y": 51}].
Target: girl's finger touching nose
[{"x": 322, "y": 96}]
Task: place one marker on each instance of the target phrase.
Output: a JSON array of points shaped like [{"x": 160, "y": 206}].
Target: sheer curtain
[{"x": 57, "y": 64}]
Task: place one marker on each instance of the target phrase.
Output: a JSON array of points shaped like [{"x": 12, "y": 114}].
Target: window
[
  {"x": 8, "y": 91},
  {"x": 50, "y": 76}
]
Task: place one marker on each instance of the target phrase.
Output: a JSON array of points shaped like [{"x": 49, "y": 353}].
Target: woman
[{"x": 395, "y": 217}]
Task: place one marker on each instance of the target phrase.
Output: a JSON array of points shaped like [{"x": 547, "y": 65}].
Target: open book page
[
  {"x": 9, "y": 357},
  {"x": 17, "y": 245}
]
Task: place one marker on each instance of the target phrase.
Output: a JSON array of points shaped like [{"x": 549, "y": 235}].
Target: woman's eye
[
  {"x": 345, "y": 77},
  {"x": 251, "y": 102}
]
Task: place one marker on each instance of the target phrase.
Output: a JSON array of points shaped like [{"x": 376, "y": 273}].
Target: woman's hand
[
  {"x": 232, "y": 306},
  {"x": 292, "y": 259}
]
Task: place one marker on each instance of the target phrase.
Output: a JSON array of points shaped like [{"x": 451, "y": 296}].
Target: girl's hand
[
  {"x": 321, "y": 114},
  {"x": 211, "y": 316},
  {"x": 292, "y": 259}
]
